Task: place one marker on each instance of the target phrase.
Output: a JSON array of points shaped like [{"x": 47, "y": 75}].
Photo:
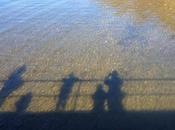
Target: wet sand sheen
[{"x": 89, "y": 38}]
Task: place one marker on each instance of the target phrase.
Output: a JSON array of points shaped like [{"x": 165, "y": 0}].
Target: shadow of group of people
[
  {"x": 111, "y": 100},
  {"x": 113, "y": 96}
]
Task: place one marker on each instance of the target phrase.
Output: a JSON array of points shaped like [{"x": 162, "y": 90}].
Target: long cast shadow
[
  {"x": 99, "y": 98},
  {"x": 65, "y": 91},
  {"x": 97, "y": 119},
  {"x": 114, "y": 95},
  {"x": 13, "y": 83}
]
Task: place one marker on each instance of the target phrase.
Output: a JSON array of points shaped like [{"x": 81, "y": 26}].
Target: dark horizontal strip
[
  {"x": 87, "y": 95},
  {"x": 98, "y": 80}
]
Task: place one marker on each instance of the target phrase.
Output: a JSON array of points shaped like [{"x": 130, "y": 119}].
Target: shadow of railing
[
  {"x": 116, "y": 117},
  {"x": 95, "y": 80}
]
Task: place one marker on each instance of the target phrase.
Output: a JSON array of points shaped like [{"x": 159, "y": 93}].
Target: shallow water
[{"x": 90, "y": 38}]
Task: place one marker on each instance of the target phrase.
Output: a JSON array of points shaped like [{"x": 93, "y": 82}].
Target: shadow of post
[{"x": 13, "y": 83}]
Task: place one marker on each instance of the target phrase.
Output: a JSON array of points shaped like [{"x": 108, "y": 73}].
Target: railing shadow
[{"x": 116, "y": 117}]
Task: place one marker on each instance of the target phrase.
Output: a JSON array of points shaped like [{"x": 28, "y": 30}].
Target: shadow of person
[
  {"x": 65, "y": 91},
  {"x": 99, "y": 99},
  {"x": 114, "y": 94},
  {"x": 13, "y": 82},
  {"x": 23, "y": 102}
]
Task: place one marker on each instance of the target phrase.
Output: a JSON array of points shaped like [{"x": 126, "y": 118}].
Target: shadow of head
[
  {"x": 113, "y": 79},
  {"x": 15, "y": 79},
  {"x": 18, "y": 72},
  {"x": 70, "y": 79}
]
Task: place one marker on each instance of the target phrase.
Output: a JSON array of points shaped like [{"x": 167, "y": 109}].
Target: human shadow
[
  {"x": 23, "y": 102},
  {"x": 13, "y": 82},
  {"x": 114, "y": 94},
  {"x": 115, "y": 118},
  {"x": 65, "y": 91},
  {"x": 99, "y": 98}
]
